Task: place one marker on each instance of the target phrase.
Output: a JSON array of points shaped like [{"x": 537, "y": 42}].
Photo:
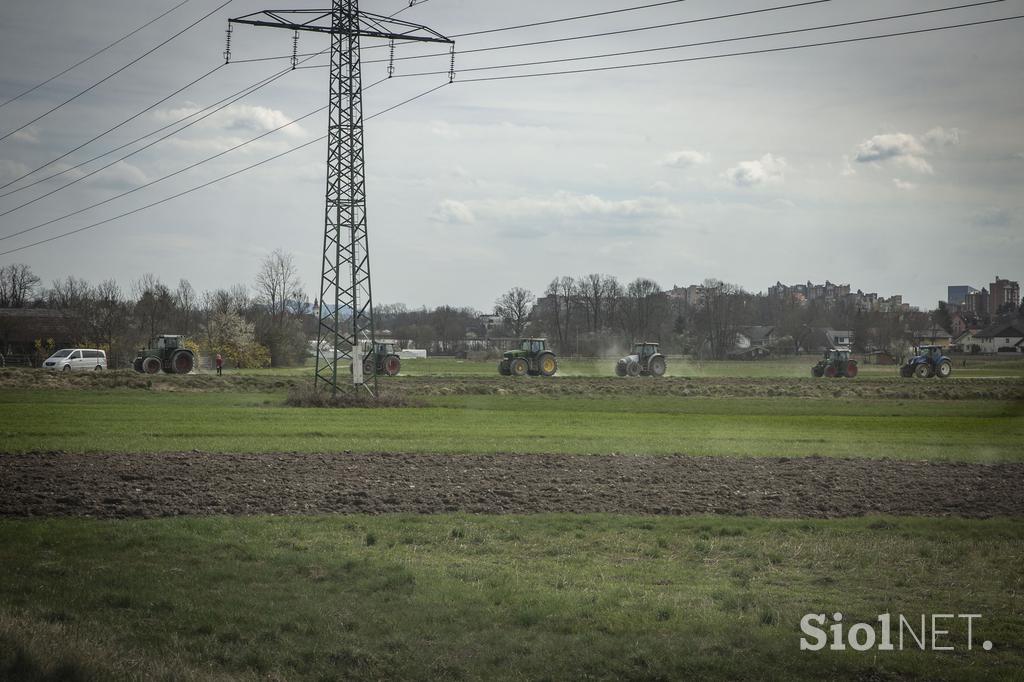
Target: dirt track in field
[{"x": 132, "y": 485}]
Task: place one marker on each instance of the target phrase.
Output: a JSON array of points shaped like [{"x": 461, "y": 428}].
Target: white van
[{"x": 77, "y": 359}]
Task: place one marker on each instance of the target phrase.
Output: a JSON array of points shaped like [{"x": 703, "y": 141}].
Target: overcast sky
[{"x": 893, "y": 165}]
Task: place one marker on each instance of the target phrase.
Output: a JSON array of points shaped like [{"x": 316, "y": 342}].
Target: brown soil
[
  {"x": 125, "y": 485},
  {"x": 893, "y": 388}
]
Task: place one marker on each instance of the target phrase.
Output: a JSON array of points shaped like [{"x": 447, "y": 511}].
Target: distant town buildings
[
  {"x": 832, "y": 294},
  {"x": 1001, "y": 296}
]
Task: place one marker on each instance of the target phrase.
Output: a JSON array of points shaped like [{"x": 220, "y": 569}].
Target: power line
[
  {"x": 177, "y": 172},
  {"x": 698, "y": 44},
  {"x": 573, "y": 18},
  {"x": 112, "y": 129},
  {"x": 740, "y": 54},
  {"x": 250, "y": 88},
  {"x": 704, "y": 19},
  {"x": 94, "y": 54},
  {"x": 211, "y": 109},
  {"x": 211, "y": 182},
  {"x": 117, "y": 71},
  {"x": 412, "y": 3}
]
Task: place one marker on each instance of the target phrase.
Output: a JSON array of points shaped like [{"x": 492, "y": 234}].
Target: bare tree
[
  {"x": 185, "y": 302},
  {"x": 18, "y": 285},
  {"x": 594, "y": 293},
  {"x": 558, "y": 309},
  {"x": 278, "y": 283},
  {"x": 645, "y": 308},
  {"x": 153, "y": 305},
  {"x": 514, "y": 307},
  {"x": 718, "y": 317}
]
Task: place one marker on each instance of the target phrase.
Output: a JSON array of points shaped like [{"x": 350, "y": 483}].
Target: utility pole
[{"x": 346, "y": 299}]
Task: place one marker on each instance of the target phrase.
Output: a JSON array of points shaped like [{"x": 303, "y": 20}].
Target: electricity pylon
[{"x": 346, "y": 299}]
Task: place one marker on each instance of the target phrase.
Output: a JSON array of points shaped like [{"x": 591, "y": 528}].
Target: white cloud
[
  {"x": 453, "y": 212},
  {"x": 941, "y": 137},
  {"x": 767, "y": 169},
  {"x": 29, "y": 134},
  {"x": 684, "y": 159},
  {"x": 11, "y": 169},
  {"x": 903, "y": 185},
  {"x": 992, "y": 217},
  {"x": 240, "y": 118},
  {"x": 122, "y": 175},
  {"x": 906, "y": 149},
  {"x": 848, "y": 169}
]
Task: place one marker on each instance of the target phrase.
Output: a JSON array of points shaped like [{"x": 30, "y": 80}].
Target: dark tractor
[
  {"x": 381, "y": 359},
  {"x": 166, "y": 353},
  {"x": 646, "y": 360},
  {"x": 928, "y": 362},
  {"x": 836, "y": 363},
  {"x": 531, "y": 356}
]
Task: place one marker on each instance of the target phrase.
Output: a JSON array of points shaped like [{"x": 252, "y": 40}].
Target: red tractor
[{"x": 836, "y": 363}]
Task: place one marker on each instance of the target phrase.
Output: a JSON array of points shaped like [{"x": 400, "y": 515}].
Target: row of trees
[
  {"x": 597, "y": 315},
  {"x": 268, "y": 326}
]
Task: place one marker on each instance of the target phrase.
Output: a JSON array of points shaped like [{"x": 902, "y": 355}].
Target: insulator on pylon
[
  {"x": 227, "y": 45},
  {"x": 451, "y": 69},
  {"x": 391, "y": 61},
  {"x": 295, "y": 50}
]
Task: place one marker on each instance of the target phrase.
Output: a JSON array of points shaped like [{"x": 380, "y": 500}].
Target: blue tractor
[{"x": 928, "y": 362}]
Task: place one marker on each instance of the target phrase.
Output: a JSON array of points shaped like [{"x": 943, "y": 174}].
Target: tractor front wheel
[
  {"x": 182, "y": 362},
  {"x": 151, "y": 365},
  {"x": 817, "y": 372},
  {"x": 519, "y": 367},
  {"x": 369, "y": 366},
  {"x": 137, "y": 365},
  {"x": 392, "y": 365},
  {"x": 851, "y": 369},
  {"x": 944, "y": 369},
  {"x": 547, "y": 365},
  {"x": 633, "y": 368},
  {"x": 656, "y": 367},
  {"x": 620, "y": 368},
  {"x": 923, "y": 371},
  {"x": 906, "y": 371},
  {"x": 503, "y": 368}
]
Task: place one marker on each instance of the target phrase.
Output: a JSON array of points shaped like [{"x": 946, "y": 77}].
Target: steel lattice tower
[{"x": 346, "y": 298}]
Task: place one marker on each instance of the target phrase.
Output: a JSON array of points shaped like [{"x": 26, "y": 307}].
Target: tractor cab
[
  {"x": 645, "y": 350},
  {"x": 381, "y": 348},
  {"x": 532, "y": 346},
  {"x": 167, "y": 342},
  {"x": 838, "y": 355}
]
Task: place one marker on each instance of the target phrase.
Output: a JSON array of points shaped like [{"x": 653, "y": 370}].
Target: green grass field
[
  {"x": 461, "y": 597},
  {"x": 452, "y": 596},
  {"x": 142, "y": 421}
]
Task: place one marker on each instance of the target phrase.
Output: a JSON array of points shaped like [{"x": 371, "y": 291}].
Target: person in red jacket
[{"x": 220, "y": 364}]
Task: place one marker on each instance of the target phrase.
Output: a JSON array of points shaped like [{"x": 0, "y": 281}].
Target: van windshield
[{"x": 62, "y": 353}]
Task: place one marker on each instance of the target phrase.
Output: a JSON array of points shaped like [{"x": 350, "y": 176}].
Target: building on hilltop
[{"x": 1003, "y": 294}]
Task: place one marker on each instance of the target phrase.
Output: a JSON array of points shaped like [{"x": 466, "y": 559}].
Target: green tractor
[
  {"x": 646, "y": 360},
  {"x": 381, "y": 359},
  {"x": 836, "y": 363},
  {"x": 166, "y": 353},
  {"x": 531, "y": 356}
]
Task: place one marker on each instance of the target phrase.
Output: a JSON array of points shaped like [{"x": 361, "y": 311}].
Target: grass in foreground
[
  {"x": 141, "y": 421},
  {"x": 461, "y": 597}
]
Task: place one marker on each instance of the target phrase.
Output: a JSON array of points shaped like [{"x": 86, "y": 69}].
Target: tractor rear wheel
[
  {"x": 851, "y": 369},
  {"x": 923, "y": 371},
  {"x": 519, "y": 367},
  {"x": 633, "y": 368},
  {"x": 944, "y": 369},
  {"x": 547, "y": 365},
  {"x": 656, "y": 367},
  {"x": 182, "y": 362},
  {"x": 392, "y": 365},
  {"x": 831, "y": 372},
  {"x": 151, "y": 365}
]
